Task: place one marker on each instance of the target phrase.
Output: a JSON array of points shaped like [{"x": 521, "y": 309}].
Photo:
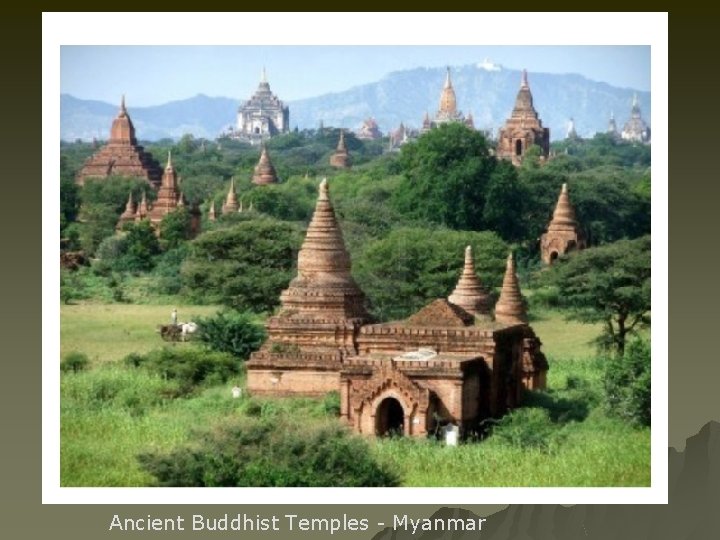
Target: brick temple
[
  {"x": 264, "y": 171},
  {"x": 122, "y": 155},
  {"x": 451, "y": 362},
  {"x": 341, "y": 158},
  {"x": 563, "y": 233},
  {"x": 523, "y": 129},
  {"x": 169, "y": 199}
]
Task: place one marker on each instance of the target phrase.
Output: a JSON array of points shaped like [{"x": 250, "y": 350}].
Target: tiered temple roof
[
  {"x": 121, "y": 156},
  {"x": 523, "y": 129},
  {"x": 324, "y": 285},
  {"x": 469, "y": 293},
  {"x": 168, "y": 195}
]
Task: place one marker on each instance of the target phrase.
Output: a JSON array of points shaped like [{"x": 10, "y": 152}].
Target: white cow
[{"x": 187, "y": 329}]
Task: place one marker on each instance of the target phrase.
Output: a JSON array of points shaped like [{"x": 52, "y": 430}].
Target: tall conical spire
[
  {"x": 564, "y": 214},
  {"x": 231, "y": 202},
  {"x": 169, "y": 161},
  {"x": 324, "y": 249},
  {"x": 341, "y": 157},
  {"x": 510, "y": 308},
  {"x": 211, "y": 212},
  {"x": 263, "y": 75},
  {"x": 324, "y": 285},
  {"x": 448, "y": 81},
  {"x": 469, "y": 293},
  {"x": 264, "y": 170},
  {"x": 448, "y": 101},
  {"x": 129, "y": 212},
  {"x": 122, "y": 131},
  {"x": 142, "y": 209},
  {"x": 130, "y": 205},
  {"x": 524, "y": 107}
]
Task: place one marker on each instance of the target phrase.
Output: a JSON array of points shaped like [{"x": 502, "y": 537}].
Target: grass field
[
  {"x": 108, "y": 332},
  {"x": 111, "y": 413}
]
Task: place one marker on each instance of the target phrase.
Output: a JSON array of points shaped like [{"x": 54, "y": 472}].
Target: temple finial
[
  {"x": 448, "y": 82},
  {"x": 524, "y": 80},
  {"x": 122, "y": 104},
  {"x": 263, "y": 75},
  {"x": 323, "y": 190}
]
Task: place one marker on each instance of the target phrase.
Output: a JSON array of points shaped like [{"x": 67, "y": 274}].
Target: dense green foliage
[
  {"x": 410, "y": 267},
  {"x": 271, "y": 453},
  {"x": 610, "y": 283},
  {"x": 232, "y": 332},
  {"x": 627, "y": 383},
  {"x": 188, "y": 367},
  {"x": 244, "y": 266},
  {"x": 446, "y": 173}
]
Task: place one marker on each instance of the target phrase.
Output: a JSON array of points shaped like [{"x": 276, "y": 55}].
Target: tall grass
[{"x": 112, "y": 412}]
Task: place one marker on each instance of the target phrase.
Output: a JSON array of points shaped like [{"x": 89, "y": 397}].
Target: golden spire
[
  {"x": 510, "y": 308},
  {"x": 469, "y": 293},
  {"x": 448, "y": 101}
]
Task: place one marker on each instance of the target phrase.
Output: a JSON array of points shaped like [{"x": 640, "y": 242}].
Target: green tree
[
  {"x": 232, "y": 332},
  {"x": 245, "y": 265},
  {"x": 69, "y": 201},
  {"x": 411, "y": 267},
  {"x": 140, "y": 247},
  {"x": 175, "y": 229},
  {"x": 611, "y": 284},
  {"x": 505, "y": 203},
  {"x": 627, "y": 384},
  {"x": 446, "y": 174}
]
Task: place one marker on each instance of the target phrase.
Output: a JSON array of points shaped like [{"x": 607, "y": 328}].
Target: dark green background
[{"x": 694, "y": 370}]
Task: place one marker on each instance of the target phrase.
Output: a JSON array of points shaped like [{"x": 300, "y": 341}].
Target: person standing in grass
[{"x": 173, "y": 316}]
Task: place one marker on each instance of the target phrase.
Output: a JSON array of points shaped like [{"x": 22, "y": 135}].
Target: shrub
[
  {"x": 271, "y": 453},
  {"x": 627, "y": 384},
  {"x": 526, "y": 427},
  {"x": 190, "y": 368},
  {"x": 231, "y": 332},
  {"x": 74, "y": 362}
]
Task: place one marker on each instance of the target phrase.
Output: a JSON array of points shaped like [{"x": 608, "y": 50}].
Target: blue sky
[{"x": 151, "y": 75}]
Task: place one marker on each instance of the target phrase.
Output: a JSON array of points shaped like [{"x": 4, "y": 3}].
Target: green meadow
[{"x": 112, "y": 412}]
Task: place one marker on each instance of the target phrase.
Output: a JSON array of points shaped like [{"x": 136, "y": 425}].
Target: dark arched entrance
[
  {"x": 553, "y": 256},
  {"x": 518, "y": 147},
  {"x": 389, "y": 418}
]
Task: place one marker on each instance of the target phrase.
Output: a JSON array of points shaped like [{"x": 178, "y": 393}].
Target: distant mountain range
[{"x": 488, "y": 92}]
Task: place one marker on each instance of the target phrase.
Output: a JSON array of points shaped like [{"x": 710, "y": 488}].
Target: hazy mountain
[{"x": 402, "y": 96}]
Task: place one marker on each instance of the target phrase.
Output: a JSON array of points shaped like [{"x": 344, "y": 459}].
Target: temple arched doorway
[
  {"x": 389, "y": 418},
  {"x": 518, "y": 147},
  {"x": 553, "y": 256}
]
